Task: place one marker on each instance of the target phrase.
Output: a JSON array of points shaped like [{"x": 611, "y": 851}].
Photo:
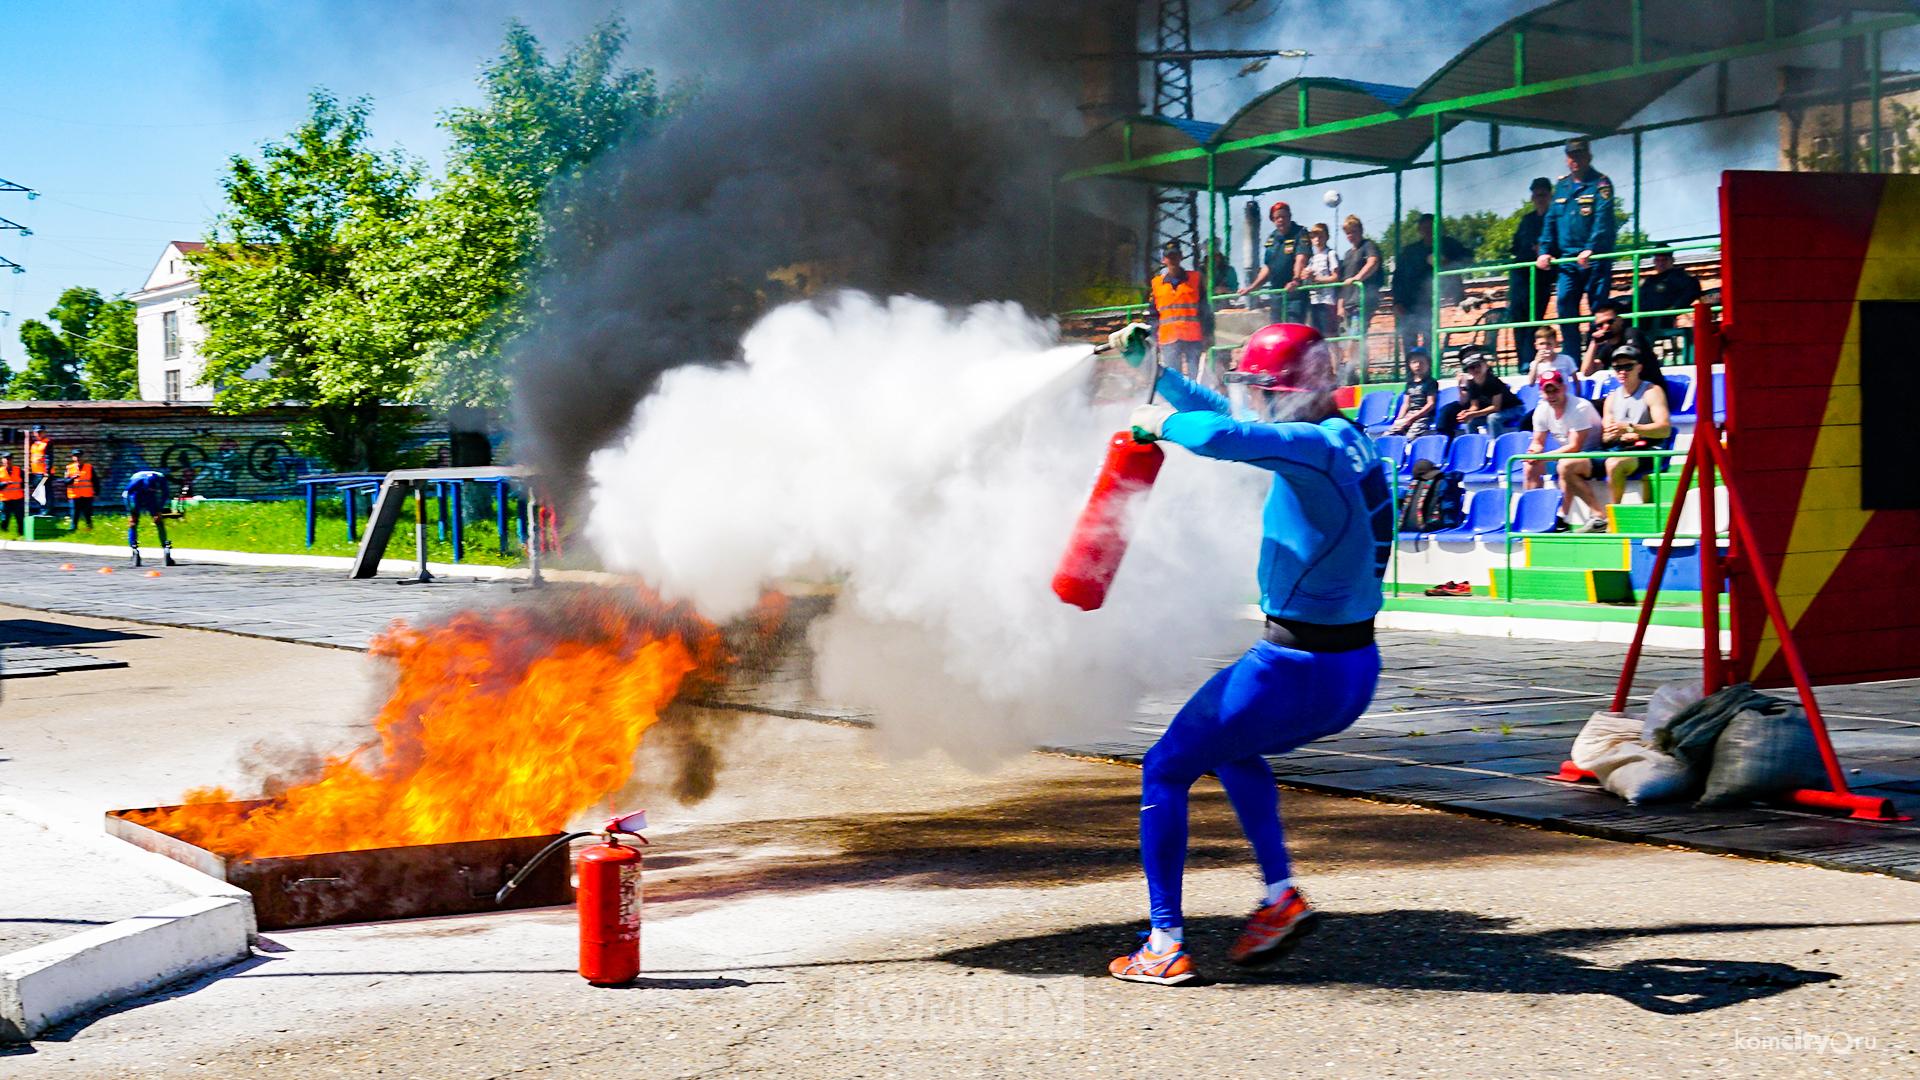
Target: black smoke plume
[{"x": 890, "y": 147}]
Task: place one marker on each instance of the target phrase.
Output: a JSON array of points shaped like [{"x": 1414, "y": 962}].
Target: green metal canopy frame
[{"x": 1578, "y": 67}]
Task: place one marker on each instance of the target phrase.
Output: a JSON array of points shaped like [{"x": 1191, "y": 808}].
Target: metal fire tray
[{"x": 371, "y": 884}]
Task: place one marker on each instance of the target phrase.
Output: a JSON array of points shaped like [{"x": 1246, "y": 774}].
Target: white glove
[
  {"x": 1117, "y": 341},
  {"x": 1147, "y": 420}
]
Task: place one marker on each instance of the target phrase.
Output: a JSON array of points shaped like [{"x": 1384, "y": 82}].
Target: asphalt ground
[
  {"x": 1467, "y": 723},
  {"x": 830, "y": 913}
]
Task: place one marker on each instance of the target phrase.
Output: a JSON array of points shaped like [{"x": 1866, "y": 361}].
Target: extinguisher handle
[{"x": 514, "y": 882}]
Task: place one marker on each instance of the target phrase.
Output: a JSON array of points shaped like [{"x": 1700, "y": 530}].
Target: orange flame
[{"x": 507, "y": 722}]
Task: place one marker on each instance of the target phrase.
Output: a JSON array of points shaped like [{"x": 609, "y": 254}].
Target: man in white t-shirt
[{"x": 1575, "y": 424}]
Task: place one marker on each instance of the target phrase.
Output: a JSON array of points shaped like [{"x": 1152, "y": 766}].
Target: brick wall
[{"x": 232, "y": 457}]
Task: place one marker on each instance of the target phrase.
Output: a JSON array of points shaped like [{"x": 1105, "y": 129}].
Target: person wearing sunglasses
[{"x": 1635, "y": 416}]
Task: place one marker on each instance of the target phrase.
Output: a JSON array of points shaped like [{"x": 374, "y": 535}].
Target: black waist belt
[{"x": 1319, "y": 637}]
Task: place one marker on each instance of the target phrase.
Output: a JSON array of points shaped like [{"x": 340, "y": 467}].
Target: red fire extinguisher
[
  {"x": 608, "y": 899},
  {"x": 1099, "y": 538}
]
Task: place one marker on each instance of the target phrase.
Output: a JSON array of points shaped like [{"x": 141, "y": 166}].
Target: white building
[{"x": 166, "y": 332}]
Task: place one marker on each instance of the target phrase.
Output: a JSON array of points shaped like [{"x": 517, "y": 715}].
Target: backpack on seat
[{"x": 1434, "y": 500}]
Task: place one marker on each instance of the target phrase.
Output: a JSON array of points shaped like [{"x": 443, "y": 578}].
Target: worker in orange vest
[
  {"x": 13, "y": 495},
  {"x": 1180, "y": 304},
  {"x": 38, "y": 446},
  {"x": 80, "y": 490}
]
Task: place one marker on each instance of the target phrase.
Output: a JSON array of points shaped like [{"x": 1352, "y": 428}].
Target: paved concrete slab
[
  {"x": 55, "y": 887},
  {"x": 1450, "y": 707},
  {"x": 829, "y": 913}
]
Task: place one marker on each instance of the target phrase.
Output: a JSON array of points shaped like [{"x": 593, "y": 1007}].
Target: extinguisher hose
[{"x": 514, "y": 882}]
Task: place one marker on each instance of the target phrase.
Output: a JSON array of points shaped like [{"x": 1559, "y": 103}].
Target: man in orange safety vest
[
  {"x": 13, "y": 495},
  {"x": 80, "y": 490},
  {"x": 1179, "y": 303}
]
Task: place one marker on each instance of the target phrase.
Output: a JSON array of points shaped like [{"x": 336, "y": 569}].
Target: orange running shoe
[
  {"x": 1274, "y": 930},
  {"x": 1169, "y": 968}
]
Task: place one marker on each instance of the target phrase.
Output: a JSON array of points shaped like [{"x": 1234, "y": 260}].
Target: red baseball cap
[{"x": 1552, "y": 377}]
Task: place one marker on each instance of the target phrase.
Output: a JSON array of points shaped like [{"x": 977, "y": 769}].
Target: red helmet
[{"x": 1285, "y": 357}]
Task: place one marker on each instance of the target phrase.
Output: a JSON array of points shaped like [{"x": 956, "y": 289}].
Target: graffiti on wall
[{"x": 232, "y": 467}]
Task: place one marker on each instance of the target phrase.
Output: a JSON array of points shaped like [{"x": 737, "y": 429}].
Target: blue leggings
[
  {"x": 1270, "y": 701},
  {"x": 153, "y": 508}
]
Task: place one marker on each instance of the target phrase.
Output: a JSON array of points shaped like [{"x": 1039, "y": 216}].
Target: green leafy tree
[
  {"x": 459, "y": 282},
  {"x": 113, "y": 357},
  {"x": 100, "y": 335},
  {"x": 53, "y": 370},
  {"x": 283, "y": 291},
  {"x": 1499, "y": 235},
  {"x": 90, "y": 354}
]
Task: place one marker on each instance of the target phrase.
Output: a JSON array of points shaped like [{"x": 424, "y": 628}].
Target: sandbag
[
  {"x": 1609, "y": 747},
  {"x": 1651, "y": 776},
  {"x": 1766, "y": 750},
  {"x": 1691, "y": 734},
  {"x": 1666, "y": 704},
  {"x": 1608, "y": 741}
]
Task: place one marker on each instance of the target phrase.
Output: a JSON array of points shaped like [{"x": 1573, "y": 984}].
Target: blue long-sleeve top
[
  {"x": 1582, "y": 216},
  {"x": 1327, "y": 528},
  {"x": 148, "y": 485}
]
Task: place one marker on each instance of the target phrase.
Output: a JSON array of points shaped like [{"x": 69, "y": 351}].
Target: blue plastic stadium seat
[
  {"x": 1431, "y": 447},
  {"x": 1535, "y": 510},
  {"x": 1391, "y": 448},
  {"x": 1448, "y": 395},
  {"x": 1483, "y": 517},
  {"x": 1529, "y": 396},
  {"x": 1377, "y": 410},
  {"x": 1467, "y": 454},
  {"x": 1500, "y": 453},
  {"x": 1719, "y": 397},
  {"x": 1605, "y": 386},
  {"x": 1679, "y": 395}
]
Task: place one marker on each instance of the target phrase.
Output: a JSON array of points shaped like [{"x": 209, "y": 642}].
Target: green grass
[{"x": 280, "y": 528}]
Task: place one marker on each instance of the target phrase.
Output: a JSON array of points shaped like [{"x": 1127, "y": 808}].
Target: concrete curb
[
  {"x": 48, "y": 984},
  {"x": 1615, "y": 633},
  {"x": 45, "y": 985},
  {"x": 476, "y": 571}
]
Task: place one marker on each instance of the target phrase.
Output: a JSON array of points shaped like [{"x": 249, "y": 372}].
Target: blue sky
[{"x": 122, "y": 115}]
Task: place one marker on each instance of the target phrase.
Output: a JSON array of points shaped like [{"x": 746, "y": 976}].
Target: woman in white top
[{"x": 1635, "y": 417}]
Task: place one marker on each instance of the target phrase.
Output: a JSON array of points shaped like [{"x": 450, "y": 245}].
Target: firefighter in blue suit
[
  {"x": 1582, "y": 223},
  {"x": 1328, "y": 532},
  {"x": 147, "y": 492}
]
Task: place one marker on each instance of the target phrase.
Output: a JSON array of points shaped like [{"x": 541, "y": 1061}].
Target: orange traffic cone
[
  {"x": 153, "y": 573},
  {"x": 66, "y": 566},
  {"x": 106, "y": 569}
]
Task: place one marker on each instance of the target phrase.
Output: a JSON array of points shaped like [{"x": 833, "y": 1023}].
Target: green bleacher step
[
  {"x": 1638, "y": 517},
  {"x": 1562, "y": 583},
  {"x": 1666, "y": 484},
  {"x": 1578, "y": 551}
]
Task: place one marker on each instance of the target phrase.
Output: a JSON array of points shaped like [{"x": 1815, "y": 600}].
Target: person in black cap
[
  {"x": 1581, "y": 223},
  {"x": 1528, "y": 288},
  {"x": 1486, "y": 402}
]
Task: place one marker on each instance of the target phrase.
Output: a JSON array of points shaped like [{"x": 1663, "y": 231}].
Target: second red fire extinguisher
[{"x": 608, "y": 899}]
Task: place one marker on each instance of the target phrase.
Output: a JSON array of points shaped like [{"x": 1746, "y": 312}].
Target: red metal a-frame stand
[{"x": 1708, "y": 458}]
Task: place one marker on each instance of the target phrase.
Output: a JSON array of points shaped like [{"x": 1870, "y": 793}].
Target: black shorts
[{"x": 1642, "y": 466}]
